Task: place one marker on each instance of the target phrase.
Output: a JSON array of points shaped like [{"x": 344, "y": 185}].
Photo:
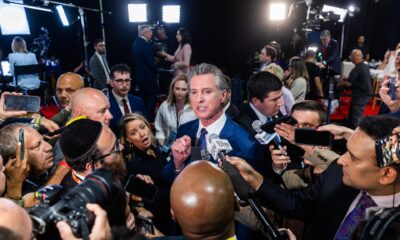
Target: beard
[{"x": 117, "y": 167}]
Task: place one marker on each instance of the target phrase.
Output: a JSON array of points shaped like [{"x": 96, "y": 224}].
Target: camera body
[{"x": 71, "y": 207}]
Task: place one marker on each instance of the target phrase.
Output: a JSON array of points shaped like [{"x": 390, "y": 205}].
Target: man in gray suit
[{"x": 99, "y": 66}]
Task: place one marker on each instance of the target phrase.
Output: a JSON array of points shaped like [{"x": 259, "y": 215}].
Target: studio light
[
  {"x": 13, "y": 19},
  {"x": 277, "y": 11},
  {"x": 171, "y": 13},
  {"x": 313, "y": 48},
  {"x": 137, "y": 12},
  {"x": 338, "y": 11},
  {"x": 62, "y": 15}
]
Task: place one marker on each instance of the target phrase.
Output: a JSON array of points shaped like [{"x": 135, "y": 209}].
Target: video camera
[{"x": 71, "y": 207}]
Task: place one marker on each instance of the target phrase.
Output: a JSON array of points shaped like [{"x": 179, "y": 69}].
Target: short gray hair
[
  {"x": 142, "y": 29},
  {"x": 223, "y": 82},
  {"x": 325, "y": 33},
  {"x": 9, "y": 140}
]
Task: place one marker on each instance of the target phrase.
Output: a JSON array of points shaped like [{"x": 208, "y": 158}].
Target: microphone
[
  {"x": 262, "y": 137},
  {"x": 277, "y": 142},
  {"x": 168, "y": 142},
  {"x": 195, "y": 154},
  {"x": 219, "y": 148}
]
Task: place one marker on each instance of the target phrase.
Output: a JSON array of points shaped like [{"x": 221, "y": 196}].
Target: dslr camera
[{"x": 71, "y": 207}]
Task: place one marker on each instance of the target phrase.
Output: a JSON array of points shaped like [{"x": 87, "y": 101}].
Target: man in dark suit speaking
[
  {"x": 146, "y": 69},
  {"x": 208, "y": 89},
  {"x": 337, "y": 201}
]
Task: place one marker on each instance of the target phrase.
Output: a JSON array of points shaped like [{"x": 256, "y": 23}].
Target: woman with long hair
[
  {"x": 297, "y": 81},
  {"x": 143, "y": 156},
  {"x": 19, "y": 57},
  {"x": 181, "y": 59},
  {"x": 175, "y": 110}
]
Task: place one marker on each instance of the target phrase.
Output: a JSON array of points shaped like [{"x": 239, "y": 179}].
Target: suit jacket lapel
[{"x": 115, "y": 107}]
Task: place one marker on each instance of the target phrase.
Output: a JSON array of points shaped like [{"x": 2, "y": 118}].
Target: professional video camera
[
  {"x": 41, "y": 44},
  {"x": 71, "y": 207}
]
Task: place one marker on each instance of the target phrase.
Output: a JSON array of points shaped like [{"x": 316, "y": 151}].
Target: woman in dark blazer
[{"x": 143, "y": 156}]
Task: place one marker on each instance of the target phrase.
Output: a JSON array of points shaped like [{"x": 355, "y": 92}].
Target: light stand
[{"x": 82, "y": 17}]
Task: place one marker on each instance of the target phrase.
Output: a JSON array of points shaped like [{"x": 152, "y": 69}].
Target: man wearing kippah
[{"x": 86, "y": 146}]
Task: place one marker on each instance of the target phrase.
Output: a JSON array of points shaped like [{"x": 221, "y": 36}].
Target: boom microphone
[{"x": 219, "y": 148}]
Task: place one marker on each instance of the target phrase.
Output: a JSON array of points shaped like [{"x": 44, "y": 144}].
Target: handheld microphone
[
  {"x": 195, "y": 154},
  {"x": 262, "y": 137},
  {"x": 168, "y": 142},
  {"x": 278, "y": 144},
  {"x": 219, "y": 148}
]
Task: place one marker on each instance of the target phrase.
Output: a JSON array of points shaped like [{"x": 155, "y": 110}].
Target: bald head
[
  {"x": 67, "y": 84},
  {"x": 15, "y": 219},
  {"x": 203, "y": 202},
  {"x": 92, "y": 103},
  {"x": 356, "y": 56}
]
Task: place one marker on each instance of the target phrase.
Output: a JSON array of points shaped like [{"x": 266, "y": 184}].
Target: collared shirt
[
  {"x": 381, "y": 202},
  {"x": 120, "y": 104},
  {"x": 260, "y": 116},
  {"x": 145, "y": 39},
  {"x": 215, "y": 127},
  {"x": 227, "y": 106},
  {"x": 104, "y": 64}
]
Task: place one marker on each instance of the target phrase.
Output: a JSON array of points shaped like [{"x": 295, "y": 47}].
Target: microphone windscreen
[
  {"x": 195, "y": 154},
  {"x": 256, "y": 125},
  {"x": 212, "y": 137}
]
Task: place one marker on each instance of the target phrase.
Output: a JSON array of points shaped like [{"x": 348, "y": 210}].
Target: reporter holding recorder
[{"x": 338, "y": 199}]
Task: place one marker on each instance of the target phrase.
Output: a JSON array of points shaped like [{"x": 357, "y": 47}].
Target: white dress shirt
[
  {"x": 381, "y": 201},
  {"x": 120, "y": 104},
  {"x": 215, "y": 127}
]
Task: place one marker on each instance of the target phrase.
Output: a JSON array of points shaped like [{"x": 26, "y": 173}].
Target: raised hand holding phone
[{"x": 16, "y": 171}]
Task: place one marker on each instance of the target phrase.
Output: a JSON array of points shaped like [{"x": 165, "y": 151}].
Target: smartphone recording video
[
  {"x": 269, "y": 126},
  {"x": 387, "y": 150},
  {"x": 21, "y": 103},
  {"x": 140, "y": 188},
  {"x": 307, "y": 136}
]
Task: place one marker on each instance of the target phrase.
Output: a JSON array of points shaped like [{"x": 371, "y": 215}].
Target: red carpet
[{"x": 343, "y": 111}]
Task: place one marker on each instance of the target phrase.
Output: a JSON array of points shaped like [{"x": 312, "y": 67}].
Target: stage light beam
[
  {"x": 137, "y": 12},
  {"x": 171, "y": 13}
]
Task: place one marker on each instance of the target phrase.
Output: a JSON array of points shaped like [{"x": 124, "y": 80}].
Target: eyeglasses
[
  {"x": 121, "y": 81},
  {"x": 116, "y": 150}
]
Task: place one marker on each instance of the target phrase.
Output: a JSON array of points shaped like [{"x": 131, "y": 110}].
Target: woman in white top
[
  {"x": 297, "y": 81},
  {"x": 181, "y": 59},
  {"x": 174, "y": 111},
  {"x": 21, "y": 56}
]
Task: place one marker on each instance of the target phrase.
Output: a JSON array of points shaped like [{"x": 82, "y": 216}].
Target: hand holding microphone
[
  {"x": 219, "y": 148},
  {"x": 280, "y": 159}
]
